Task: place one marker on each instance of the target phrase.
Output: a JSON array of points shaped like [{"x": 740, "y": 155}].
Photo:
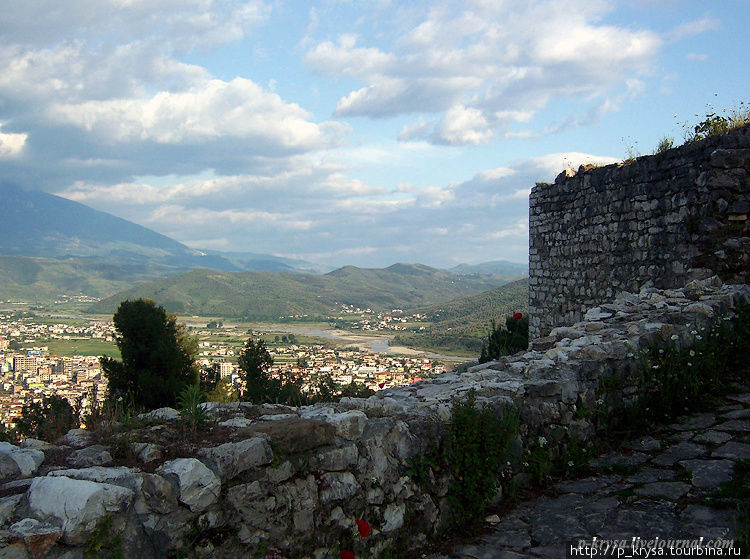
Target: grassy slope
[
  {"x": 269, "y": 295},
  {"x": 45, "y": 279}
]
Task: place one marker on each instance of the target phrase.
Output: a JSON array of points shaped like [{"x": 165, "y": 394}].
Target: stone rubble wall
[
  {"x": 296, "y": 479},
  {"x": 660, "y": 220}
]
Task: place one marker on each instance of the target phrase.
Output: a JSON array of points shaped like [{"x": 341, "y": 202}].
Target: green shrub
[
  {"x": 665, "y": 144},
  {"x": 506, "y": 340},
  {"x": 715, "y": 123},
  {"x": 189, "y": 402},
  {"x": 477, "y": 444},
  {"x": 48, "y": 420}
]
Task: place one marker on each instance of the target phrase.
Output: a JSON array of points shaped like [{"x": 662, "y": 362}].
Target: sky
[{"x": 361, "y": 132}]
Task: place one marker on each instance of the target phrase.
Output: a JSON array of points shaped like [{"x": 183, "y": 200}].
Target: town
[{"x": 36, "y": 360}]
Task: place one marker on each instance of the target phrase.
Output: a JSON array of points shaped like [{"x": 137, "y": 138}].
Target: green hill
[
  {"x": 462, "y": 324},
  {"x": 271, "y": 295},
  {"x": 42, "y": 280}
]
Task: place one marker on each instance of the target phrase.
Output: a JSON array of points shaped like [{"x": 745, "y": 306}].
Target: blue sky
[{"x": 350, "y": 132}]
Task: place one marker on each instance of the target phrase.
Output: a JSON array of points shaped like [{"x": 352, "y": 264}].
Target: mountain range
[
  {"x": 51, "y": 247},
  {"x": 38, "y": 224}
]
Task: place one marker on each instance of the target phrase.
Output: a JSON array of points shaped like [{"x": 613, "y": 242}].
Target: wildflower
[
  {"x": 692, "y": 353},
  {"x": 630, "y": 354},
  {"x": 346, "y": 554},
  {"x": 570, "y": 464},
  {"x": 661, "y": 351},
  {"x": 517, "y": 316},
  {"x": 693, "y": 332},
  {"x": 690, "y": 364},
  {"x": 600, "y": 401},
  {"x": 364, "y": 528},
  {"x": 542, "y": 441},
  {"x": 699, "y": 337},
  {"x": 674, "y": 337},
  {"x": 655, "y": 366}
]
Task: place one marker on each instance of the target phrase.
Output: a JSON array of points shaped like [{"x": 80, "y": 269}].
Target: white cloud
[
  {"x": 11, "y": 144},
  {"x": 462, "y": 125},
  {"x": 180, "y": 24},
  {"x": 554, "y": 163},
  {"x": 211, "y": 110},
  {"x": 313, "y": 211},
  {"x": 496, "y": 173},
  {"x": 482, "y": 66},
  {"x": 692, "y": 28}
]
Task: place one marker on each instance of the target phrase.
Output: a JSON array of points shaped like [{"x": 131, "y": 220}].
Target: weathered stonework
[{"x": 660, "y": 220}]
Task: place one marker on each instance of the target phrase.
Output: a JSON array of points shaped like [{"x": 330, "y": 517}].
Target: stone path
[{"x": 660, "y": 495}]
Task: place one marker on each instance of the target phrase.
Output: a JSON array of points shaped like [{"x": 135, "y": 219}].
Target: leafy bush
[
  {"x": 477, "y": 444},
  {"x": 715, "y": 123},
  {"x": 48, "y": 420},
  {"x": 505, "y": 341},
  {"x": 665, "y": 144}
]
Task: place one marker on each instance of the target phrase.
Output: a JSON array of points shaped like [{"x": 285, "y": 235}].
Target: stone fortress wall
[
  {"x": 659, "y": 220},
  {"x": 291, "y": 482}
]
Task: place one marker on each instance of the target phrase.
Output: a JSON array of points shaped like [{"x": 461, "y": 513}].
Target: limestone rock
[
  {"x": 338, "y": 486},
  {"x": 18, "y": 462},
  {"x": 161, "y": 414},
  {"x": 75, "y": 505},
  {"x": 152, "y": 492},
  {"x": 393, "y": 517},
  {"x": 293, "y": 435},
  {"x": 196, "y": 486},
  {"x": 37, "y": 537},
  {"x": 7, "y": 507},
  {"x": 78, "y": 438},
  {"x": 95, "y": 455},
  {"x": 147, "y": 452},
  {"x": 231, "y": 459}
]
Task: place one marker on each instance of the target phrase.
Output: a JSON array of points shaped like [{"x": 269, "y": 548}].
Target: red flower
[
  {"x": 345, "y": 554},
  {"x": 517, "y": 316},
  {"x": 364, "y": 528}
]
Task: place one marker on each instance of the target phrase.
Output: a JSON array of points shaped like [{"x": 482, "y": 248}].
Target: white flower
[
  {"x": 542, "y": 441},
  {"x": 661, "y": 351},
  {"x": 690, "y": 364},
  {"x": 630, "y": 354},
  {"x": 570, "y": 464},
  {"x": 699, "y": 337},
  {"x": 600, "y": 401},
  {"x": 655, "y": 367},
  {"x": 674, "y": 337},
  {"x": 692, "y": 353},
  {"x": 693, "y": 332}
]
